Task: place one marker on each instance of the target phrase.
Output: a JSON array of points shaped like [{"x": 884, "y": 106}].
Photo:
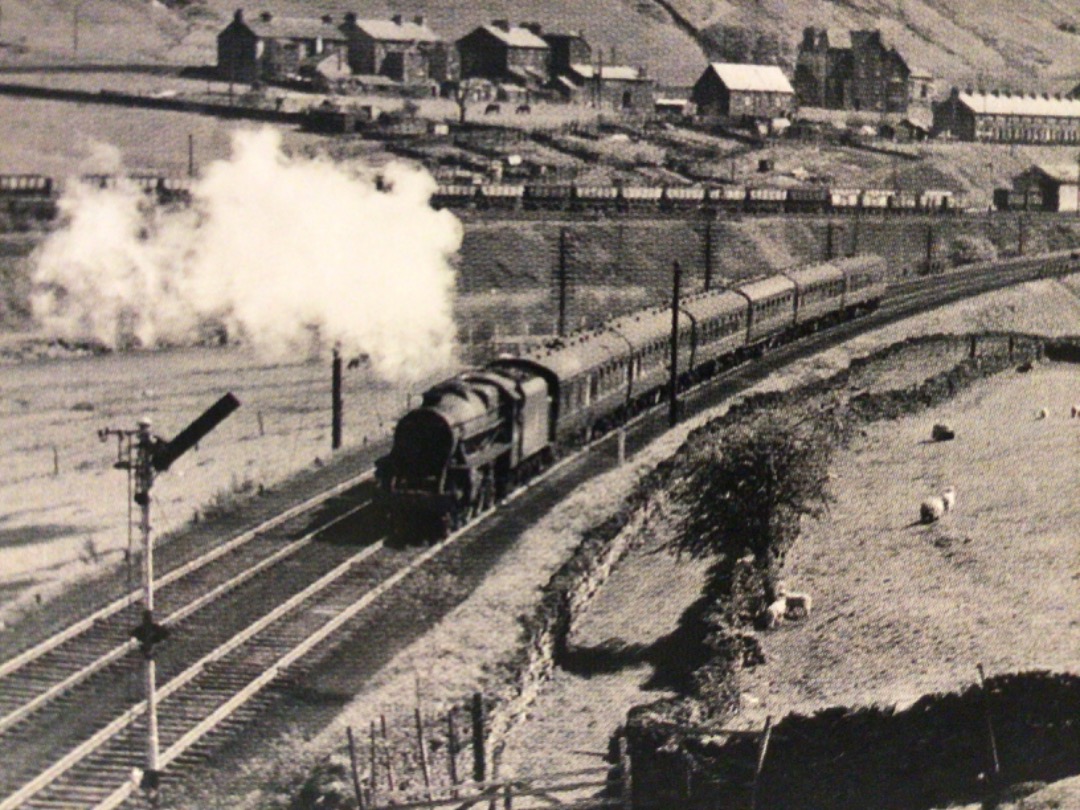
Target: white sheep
[
  {"x": 932, "y": 509},
  {"x": 798, "y": 604},
  {"x": 948, "y": 497},
  {"x": 1042, "y": 413},
  {"x": 774, "y": 614}
]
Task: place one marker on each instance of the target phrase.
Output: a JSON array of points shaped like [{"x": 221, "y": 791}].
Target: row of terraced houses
[{"x": 848, "y": 70}]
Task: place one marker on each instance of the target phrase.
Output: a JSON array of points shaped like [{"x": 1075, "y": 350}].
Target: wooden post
[
  {"x": 761, "y": 761},
  {"x": 622, "y": 445},
  {"x": 989, "y": 721},
  {"x": 374, "y": 763},
  {"x": 55, "y": 461},
  {"x": 855, "y": 235},
  {"x": 355, "y": 769},
  {"x": 423, "y": 752},
  {"x": 386, "y": 754},
  {"x": 973, "y": 346},
  {"x": 561, "y": 326},
  {"x": 1020, "y": 235},
  {"x": 829, "y": 227},
  {"x": 626, "y": 789},
  {"x": 479, "y": 763},
  {"x": 708, "y": 252},
  {"x": 336, "y": 407},
  {"x": 673, "y": 401},
  {"x": 191, "y": 154},
  {"x": 452, "y": 752},
  {"x": 930, "y": 247},
  {"x": 1012, "y": 343},
  {"x": 262, "y": 426},
  {"x": 508, "y": 797}
]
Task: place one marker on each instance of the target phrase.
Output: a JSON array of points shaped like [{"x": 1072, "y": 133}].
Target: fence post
[
  {"x": 973, "y": 348},
  {"x": 479, "y": 763},
  {"x": 374, "y": 763},
  {"x": 452, "y": 751},
  {"x": 626, "y": 789},
  {"x": 761, "y": 761},
  {"x": 386, "y": 753},
  {"x": 989, "y": 721},
  {"x": 423, "y": 753},
  {"x": 355, "y": 770}
]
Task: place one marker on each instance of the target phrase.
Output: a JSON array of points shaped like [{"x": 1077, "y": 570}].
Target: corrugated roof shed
[
  {"x": 390, "y": 31},
  {"x": 625, "y": 73},
  {"x": 1036, "y": 105},
  {"x": 752, "y": 78},
  {"x": 516, "y": 37}
]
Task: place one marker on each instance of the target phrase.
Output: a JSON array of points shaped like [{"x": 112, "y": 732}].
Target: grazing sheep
[
  {"x": 774, "y": 614},
  {"x": 948, "y": 497},
  {"x": 798, "y": 604},
  {"x": 942, "y": 433},
  {"x": 932, "y": 509},
  {"x": 1075, "y": 411},
  {"x": 1042, "y": 413}
]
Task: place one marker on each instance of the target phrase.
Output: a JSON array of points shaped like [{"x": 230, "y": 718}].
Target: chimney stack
[
  {"x": 396, "y": 19},
  {"x": 266, "y": 16},
  {"x": 327, "y": 19},
  {"x": 502, "y": 25},
  {"x": 238, "y": 15},
  {"x": 419, "y": 19}
]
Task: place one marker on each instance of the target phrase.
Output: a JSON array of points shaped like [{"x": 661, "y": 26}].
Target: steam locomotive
[{"x": 479, "y": 434}]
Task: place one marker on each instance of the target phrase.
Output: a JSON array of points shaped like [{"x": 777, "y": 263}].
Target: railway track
[{"x": 228, "y": 647}]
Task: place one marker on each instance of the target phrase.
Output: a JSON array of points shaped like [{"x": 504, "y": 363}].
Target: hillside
[{"x": 1023, "y": 45}]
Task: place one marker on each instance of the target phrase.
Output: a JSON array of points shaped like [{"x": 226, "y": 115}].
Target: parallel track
[{"x": 215, "y": 686}]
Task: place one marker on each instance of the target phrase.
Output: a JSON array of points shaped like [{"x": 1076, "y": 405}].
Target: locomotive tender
[{"x": 480, "y": 433}]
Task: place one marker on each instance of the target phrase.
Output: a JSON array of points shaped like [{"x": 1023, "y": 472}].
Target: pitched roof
[
  {"x": 756, "y": 78},
  {"x": 516, "y": 37},
  {"x": 839, "y": 38},
  {"x": 390, "y": 31},
  {"x": 293, "y": 28},
  {"x": 1035, "y": 105},
  {"x": 1061, "y": 172},
  {"x": 626, "y": 73}
]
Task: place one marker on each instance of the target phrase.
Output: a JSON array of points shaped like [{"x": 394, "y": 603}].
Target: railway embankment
[{"x": 482, "y": 643}]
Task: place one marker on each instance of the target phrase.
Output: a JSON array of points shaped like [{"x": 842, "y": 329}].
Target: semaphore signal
[{"x": 144, "y": 455}]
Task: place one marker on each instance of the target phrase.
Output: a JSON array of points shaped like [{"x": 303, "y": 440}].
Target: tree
[
  {"x": 463, "y": 91},
  {"x": 747, "y": 487}
]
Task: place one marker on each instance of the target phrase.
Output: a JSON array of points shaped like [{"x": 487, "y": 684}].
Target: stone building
[
  {"x": 858, "y": 71},
  {"x": 407, "y": 51},
  {"x": 1003, "y": 117},
  {"x": 501, "y": 52},
  {"x": 273, "y": 48},
  {"x": 744, "y": 92},
  {"x": 620, "y": 87}
]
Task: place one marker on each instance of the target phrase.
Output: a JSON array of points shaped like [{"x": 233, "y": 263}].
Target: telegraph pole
[
  {"x": 336, "y": 404},
  {"x": 673, "y": 401},
  {"x": 191, "y": 154}
]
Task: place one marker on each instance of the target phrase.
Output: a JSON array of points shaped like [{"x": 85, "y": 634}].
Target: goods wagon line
[{"x": 211, "y": 690}]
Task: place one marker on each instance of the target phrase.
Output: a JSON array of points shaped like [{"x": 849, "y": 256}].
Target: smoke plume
[{"x": 273, "y": 247}]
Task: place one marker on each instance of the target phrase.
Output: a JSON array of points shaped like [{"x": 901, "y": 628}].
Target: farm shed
[
  {"x": 1056, "y": 182},
  {"x": 743, "y": 92}
]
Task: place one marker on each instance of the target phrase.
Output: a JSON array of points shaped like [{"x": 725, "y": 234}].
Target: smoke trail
[{"x": 272, "y": 247}]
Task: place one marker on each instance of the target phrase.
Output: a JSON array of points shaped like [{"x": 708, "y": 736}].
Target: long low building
[{"x": 1008, "y": 117}]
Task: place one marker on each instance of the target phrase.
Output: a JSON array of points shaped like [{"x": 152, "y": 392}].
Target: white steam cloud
[{"x": 272, "y": 247}]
